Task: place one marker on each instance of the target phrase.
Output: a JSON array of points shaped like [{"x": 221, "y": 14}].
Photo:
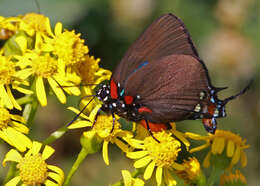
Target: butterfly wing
[
  {"x": 170, "y": 87},
  {"x": 165, "y": 36}
]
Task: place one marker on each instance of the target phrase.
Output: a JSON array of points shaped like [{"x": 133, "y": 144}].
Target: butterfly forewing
[
  {"x": 165, "y": 36},
  {"x": 171, "y": 87}
]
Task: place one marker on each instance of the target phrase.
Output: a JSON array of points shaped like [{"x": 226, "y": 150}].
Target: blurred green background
[{"x": 225, "y": 32}]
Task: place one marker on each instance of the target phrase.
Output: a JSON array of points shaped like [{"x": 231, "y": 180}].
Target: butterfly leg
[
  {"x": 150, "y": 131},
  {"x": 113, "y": 124}
]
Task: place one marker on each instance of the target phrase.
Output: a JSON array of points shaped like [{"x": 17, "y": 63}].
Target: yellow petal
[
  {"x": 57, "y": 90},
  {"x": 19, "y": 140},
  {"x": 47, "y": 152},
  {"x": 105, "y": 152},
  {"x": 236, "y": 155},
  {"x": 136, "y": 154},
  {"x": 230, "y": 148},
  {"x": 56, "y": 177},
  {"x": 10, "y": 94},
  {"x": 142, "y": 162},
  {"x": 50, "y": 183},
  {"x": 23, "y": 90},
  {"x": 4, "y": 137},
  {"x": 14, "y": 181},
  {"x": 206, "y": 162},
  {"x": 199, "y": 148},
  {"x": 80, "y": 124},
  {"x": 158, "y": 175},
  {"x": 5, "y": 98},
  {"x": 127, "y": 178},
  {"x": 58, "y": 28},
  {"x": 121, "y": 145},
  {"x": 40, "y": 91},
  {"x": 149, "y": 170},
  {"x": 180, "y": 136},
  {"x": 220, "y": 145},
  {"x": 36, "y": 147},
  {"x": 56, "y": 169},
  {"x": 12, "y": 155},
  {"x": 22, "y": 42},
  {"x": 243, "y": 158},
  {"x": 19, "y": 127}
]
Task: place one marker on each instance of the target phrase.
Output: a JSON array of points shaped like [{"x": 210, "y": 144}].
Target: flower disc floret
[
  {"x": 164, "y": 153},
  {"x": 44, "y": 66},
  {"x": 69, "y": 47},
  {"x": 7, "y": 71},
  {"x": 33, "y": 169}
]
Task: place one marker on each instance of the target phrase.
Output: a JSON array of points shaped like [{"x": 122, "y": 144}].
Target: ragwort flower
[
  {"x": 43, "y": 68},
  {"x": 10, "y": 78},
  {"x": 233, "y": 179},
  {"x": 157, "y": 156},
  {"x": 192, "y": 171},
  {"x": 12, "y": 130},
  {"x": 67, "y": 46},
  {"x": 32, "y": 166},
  {"x": 220, "y": 141},
  {"x": 103, "y": 128}
]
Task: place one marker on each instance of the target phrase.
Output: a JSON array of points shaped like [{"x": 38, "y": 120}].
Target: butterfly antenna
[
  {"x": 76, "y": 117},
  {"x": 225, "y": 101},
  {"x": 37, "y": 6}
]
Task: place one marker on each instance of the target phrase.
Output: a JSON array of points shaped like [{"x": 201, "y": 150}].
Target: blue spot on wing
[
  {"x": 141, "y": 65},
  {"x": 122, "y": 92}
]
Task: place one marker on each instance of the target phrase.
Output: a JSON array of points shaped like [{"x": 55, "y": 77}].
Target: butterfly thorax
[{"x": 118, "y": 103}]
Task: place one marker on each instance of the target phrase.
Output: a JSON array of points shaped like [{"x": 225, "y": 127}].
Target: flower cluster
[{"x": 37, "y": 61}]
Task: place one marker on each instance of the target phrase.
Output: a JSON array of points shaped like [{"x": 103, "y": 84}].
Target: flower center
[
  {"x": 69, "y": 47},
  {"x": 164, "y": 153},
  {"x": 103, "y": 126},
  {"x": 7, "y": 70},
  {"x": 4, "y": 118},
  {"x": 33, "y": 169},
  {"x": 44, "y": 66}
]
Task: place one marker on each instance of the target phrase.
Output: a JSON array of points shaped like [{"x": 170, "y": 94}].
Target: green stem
[
  {"x": 30, "y": 111},
  {"x": 214, "y": 176},
  {"x": 81, "y": 156},
  {"x": 134, "y": 174},
  {"x": 26, "y": 99},
  {"x": 10, "y": 173},
  {"x": 55, "y": 135}
]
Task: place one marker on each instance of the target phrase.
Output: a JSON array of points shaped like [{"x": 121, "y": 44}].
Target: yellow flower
[
  {"x": 103, "y": 129},
  {"x": 45, "y": 68},
  {"x": 8, "y": 26},
  {"x": 191, "y": 172},
  {"x": 10, "y": 78},
  {"x": 33, "y": 169},
  {"x": 12, "y": 129},
  {"x": 66, "y": 45},
  {"x": 33, "y": 23},
  {"x": 220, "y": 141},
  {"x": 160, "y": 156},
  {"x": 233, "y": 179},
  {"x": 129, "y": 180}
]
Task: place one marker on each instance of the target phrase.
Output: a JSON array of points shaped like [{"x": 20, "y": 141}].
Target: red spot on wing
[
  {"x": 144, "y": 109},
  {"x": 113, "y": 89},
  {"x": 129, "y": 99},
  {"x": 155, "y": 127}
]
